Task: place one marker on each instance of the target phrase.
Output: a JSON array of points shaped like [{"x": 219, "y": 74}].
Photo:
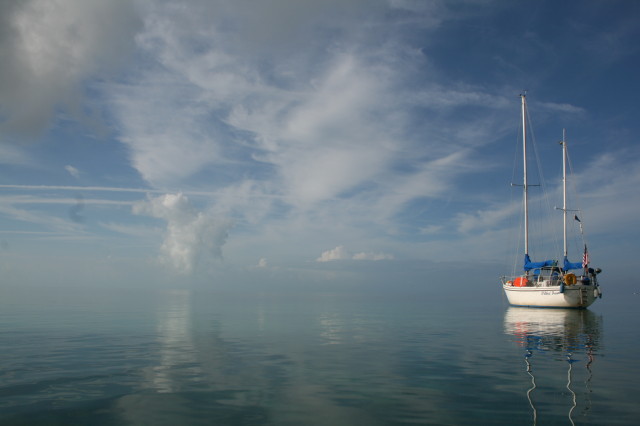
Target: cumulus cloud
[
  {"x": 191, "y": 236},
  {"x": 340, "y": 253}
]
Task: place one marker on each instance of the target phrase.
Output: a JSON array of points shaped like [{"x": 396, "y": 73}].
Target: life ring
[
  {"x": 520, "y": 282},
  {"x": 570, "y": 279}
]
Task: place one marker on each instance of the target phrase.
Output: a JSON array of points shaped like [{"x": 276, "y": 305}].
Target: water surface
[{"x": 197, "y": 357}]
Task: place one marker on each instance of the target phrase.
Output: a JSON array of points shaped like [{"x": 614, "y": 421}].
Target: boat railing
[{"x": 547, "y": 280}]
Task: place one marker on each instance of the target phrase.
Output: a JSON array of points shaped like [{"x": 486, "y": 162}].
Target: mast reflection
[{"x": 555, "y": 334}]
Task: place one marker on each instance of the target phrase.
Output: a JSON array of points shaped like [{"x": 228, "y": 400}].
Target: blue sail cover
[
  {"x": 571, "y": 265},
  {"x": 529, "y": 265}
]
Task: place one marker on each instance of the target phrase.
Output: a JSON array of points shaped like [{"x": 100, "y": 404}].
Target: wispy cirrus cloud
[
  {"x": 306, "y": 122},
  {"x": 72, "y": 171},
  {"x": 41, "y": 219},
  {"x": 313, "y": 135},
  {"x": 336, "y": 143}
]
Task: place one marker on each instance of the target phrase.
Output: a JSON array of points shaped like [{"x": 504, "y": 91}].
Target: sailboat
[{"x": 549, "y": 283}]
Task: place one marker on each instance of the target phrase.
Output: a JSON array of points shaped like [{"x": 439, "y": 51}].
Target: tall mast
[
  {"x": 525, "y": 188},
  {"x": 564, "y": 192}
]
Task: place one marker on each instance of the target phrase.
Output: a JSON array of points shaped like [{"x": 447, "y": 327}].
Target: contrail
[
  {"x": 132, "y": 190},
  {"x": 23, "y": 200},
  {"x": 81, "y": 188}
]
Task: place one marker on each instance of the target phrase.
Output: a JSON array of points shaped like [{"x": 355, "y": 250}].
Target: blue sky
[{"x": 305, "y": 141}]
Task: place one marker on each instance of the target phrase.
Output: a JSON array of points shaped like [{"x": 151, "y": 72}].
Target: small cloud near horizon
[{"x": 340, "y": 253}]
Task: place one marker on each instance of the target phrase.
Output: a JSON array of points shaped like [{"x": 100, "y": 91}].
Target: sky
[{"x": 316, "y": 143}]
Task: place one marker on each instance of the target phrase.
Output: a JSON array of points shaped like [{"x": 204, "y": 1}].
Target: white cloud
[
  {"x": 487, "y": 218},
  {"x": 314, "y": 134},
  {"x": 562, "y": 108},
  {"x": 262, "y": 263},
  {"x": 191, "y": 236},
  {"x": 316, "y": 122},
  {"x": 608, "y": 181},
  {"x": 72, "y": 171},
  {"x": 13, "y": 155},
  {"x": 340, "y": 253},
  {"x": 372, "y": 256}
]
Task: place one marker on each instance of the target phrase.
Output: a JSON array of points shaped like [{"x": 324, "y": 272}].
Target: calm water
[{"x": 188, "y": 357}]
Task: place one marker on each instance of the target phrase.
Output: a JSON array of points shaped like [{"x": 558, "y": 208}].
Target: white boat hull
[{"x": 575, "y": 296}]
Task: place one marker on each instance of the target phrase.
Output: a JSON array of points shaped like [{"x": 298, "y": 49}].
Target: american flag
[{"x": 585, "y": 258}]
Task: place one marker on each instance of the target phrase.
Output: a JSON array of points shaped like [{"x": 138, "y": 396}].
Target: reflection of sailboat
[
  {"x": 545, "y": 283},
  {"x": 573, "y": 333}
]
